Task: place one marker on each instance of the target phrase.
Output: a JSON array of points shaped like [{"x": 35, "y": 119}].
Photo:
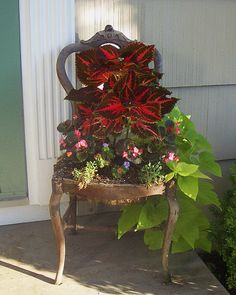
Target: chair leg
[
  {"x": 172, "y": 219},
  {"x": 54, "y": 207},
  {"x": 73, "y": 213}
]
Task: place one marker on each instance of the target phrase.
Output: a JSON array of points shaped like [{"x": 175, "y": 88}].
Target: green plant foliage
[
  {"x": 191, "y": 223},
  {"x": 153, "y": 213},
  {"x": 188, "y": 185},
  {"x": 150, "y": 173},
  {"x": 129, "y": 218},
  {"x": 153, "y": 239},
  {"x": 85, "y": 175},
  {"x": 130, "y": 132},
  {"x": 207, "y": 196},
  {"x": 225, "y": 232},
  {"x": 194, "y": 190},
  {"x": 100, "y": 161}
]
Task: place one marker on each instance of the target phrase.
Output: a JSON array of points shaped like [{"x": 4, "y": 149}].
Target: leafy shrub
[{"x": 226, "y": 232}]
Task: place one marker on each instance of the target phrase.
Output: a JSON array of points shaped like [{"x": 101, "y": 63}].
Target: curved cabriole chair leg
[
  {"x": 172, "y": 219},
  {"x": 58, "y": 229}
]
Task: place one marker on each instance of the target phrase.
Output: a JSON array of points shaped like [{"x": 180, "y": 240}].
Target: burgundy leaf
[
  {"x": 113, "y": 109},
  {"x": 145, "y": 129},
  {"x": 109, "y": 51},
  {"x": 138, "y": 52},
  {"x": 85, "y": 94},
  {"x": 167, "y": 105}
]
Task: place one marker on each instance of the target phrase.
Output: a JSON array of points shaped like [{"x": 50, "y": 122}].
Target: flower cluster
[
  {"x": 171, "y": 156},
  {"x": 132, "y": 153},
  {"x": 120, "y": 127}
]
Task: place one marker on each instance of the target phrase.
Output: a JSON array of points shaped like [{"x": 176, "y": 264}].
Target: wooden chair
[{"x": 101, "y": 192}]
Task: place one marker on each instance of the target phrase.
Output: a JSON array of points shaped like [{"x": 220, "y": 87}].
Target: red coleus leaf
[
  {"x": 113, "y": 108},
  {"x": 129, "y": 80},
  {"x": 85, "y": 94},
  {"x": 84, "y": 111},
  {"x": 147, "y": 112},
  {"x": 111, "y": 82},
  {"x": 145, "y": 129},
  {"x": 125, "y": 82},
  {"x": 110, "y": 52},
  {"x": 138, "y": 52},
  {"x": 143, "y": 103},
  {"x": 90, "y": 68},
  {"x": 146, "y": 79},
  {"x": 167, "y": 105},
  {"x": 101, "y": 127},
  {"x": 95, "y": 66}
]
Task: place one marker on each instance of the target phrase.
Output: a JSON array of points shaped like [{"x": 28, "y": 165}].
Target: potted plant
[{"x": 126, "y": 130}]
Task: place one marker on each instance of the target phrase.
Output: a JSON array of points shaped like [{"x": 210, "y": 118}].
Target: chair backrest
[{"x": 108, "y": 35}]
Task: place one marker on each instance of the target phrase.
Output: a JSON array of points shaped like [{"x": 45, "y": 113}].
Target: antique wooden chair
[{"x": 101, "y": 192}]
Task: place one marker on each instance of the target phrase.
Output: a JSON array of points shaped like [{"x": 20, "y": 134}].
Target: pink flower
[
  {"x": 77, "y": 133},
  {"x": 171, "y": 156},
  {"x": 136, "y": 150},
  {"x": 177, "y": 130},
  {"x": 135, "y": 155},
  {"x": 69, "y": 154},
  {"x": 140, "y": 151},
  {"x": 125, "y": 154},
  {"x": 82, "y": 144},
  {"x": 74, "y": 116},
  {"x": 62, "y": 142}
]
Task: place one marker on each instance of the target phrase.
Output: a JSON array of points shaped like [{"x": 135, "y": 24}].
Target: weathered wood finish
[
  {"x": 102, "y": 192},
  {"x": 111, "y": 192},
  {"x": 172, "y": 218},
  {"x": 58, "y": 229},
  {"x": 109, "y": 35}
]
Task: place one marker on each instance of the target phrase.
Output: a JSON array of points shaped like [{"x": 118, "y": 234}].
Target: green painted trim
[{"x": 12, "y": 148}]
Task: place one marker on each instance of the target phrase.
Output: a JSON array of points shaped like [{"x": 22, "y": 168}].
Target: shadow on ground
[{"x": 96, "y": 263}]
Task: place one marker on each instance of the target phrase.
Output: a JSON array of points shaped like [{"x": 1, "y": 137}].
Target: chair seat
[{"x": 105, "y": 192}]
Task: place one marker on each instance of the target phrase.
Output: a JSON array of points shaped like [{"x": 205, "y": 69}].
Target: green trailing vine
[{"x": 190, "y": 166}]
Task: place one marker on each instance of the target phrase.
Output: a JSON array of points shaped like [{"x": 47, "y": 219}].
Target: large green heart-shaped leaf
[
  {"x": 188, "y": 185},
  {"x": 129, "y": 218},
  {"x": 153, "y": 239}
]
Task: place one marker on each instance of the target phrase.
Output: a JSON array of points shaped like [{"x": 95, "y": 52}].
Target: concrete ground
[{"x": 96, "y": 264}]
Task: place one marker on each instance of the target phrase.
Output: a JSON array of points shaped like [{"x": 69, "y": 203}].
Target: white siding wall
[
  {"x": 213, "y": 109},
  {"x": 196, "y": 39}
]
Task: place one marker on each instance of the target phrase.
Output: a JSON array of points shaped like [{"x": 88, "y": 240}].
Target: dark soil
[
  {"x": 217, "y": 266},
  {"x": 64, "y": 168}
]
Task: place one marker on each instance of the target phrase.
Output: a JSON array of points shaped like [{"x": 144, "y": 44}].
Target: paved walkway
[{"x": 96, "y": 264}]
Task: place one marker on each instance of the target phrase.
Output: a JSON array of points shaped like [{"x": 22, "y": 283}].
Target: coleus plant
[
  {"x": 125, "y": 128},
  {"x": 130, "y": 96}
]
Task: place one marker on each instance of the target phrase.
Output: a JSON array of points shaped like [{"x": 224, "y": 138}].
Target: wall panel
[
  {"x": 213, "y": 110},
  {"x": 195, "y": 37},
  {"x": 46, "y": 27}
]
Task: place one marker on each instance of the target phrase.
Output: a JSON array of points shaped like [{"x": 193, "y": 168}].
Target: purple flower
[
  {"x": 126, "y": 164},
  {"x": 105, "y": 144}
]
